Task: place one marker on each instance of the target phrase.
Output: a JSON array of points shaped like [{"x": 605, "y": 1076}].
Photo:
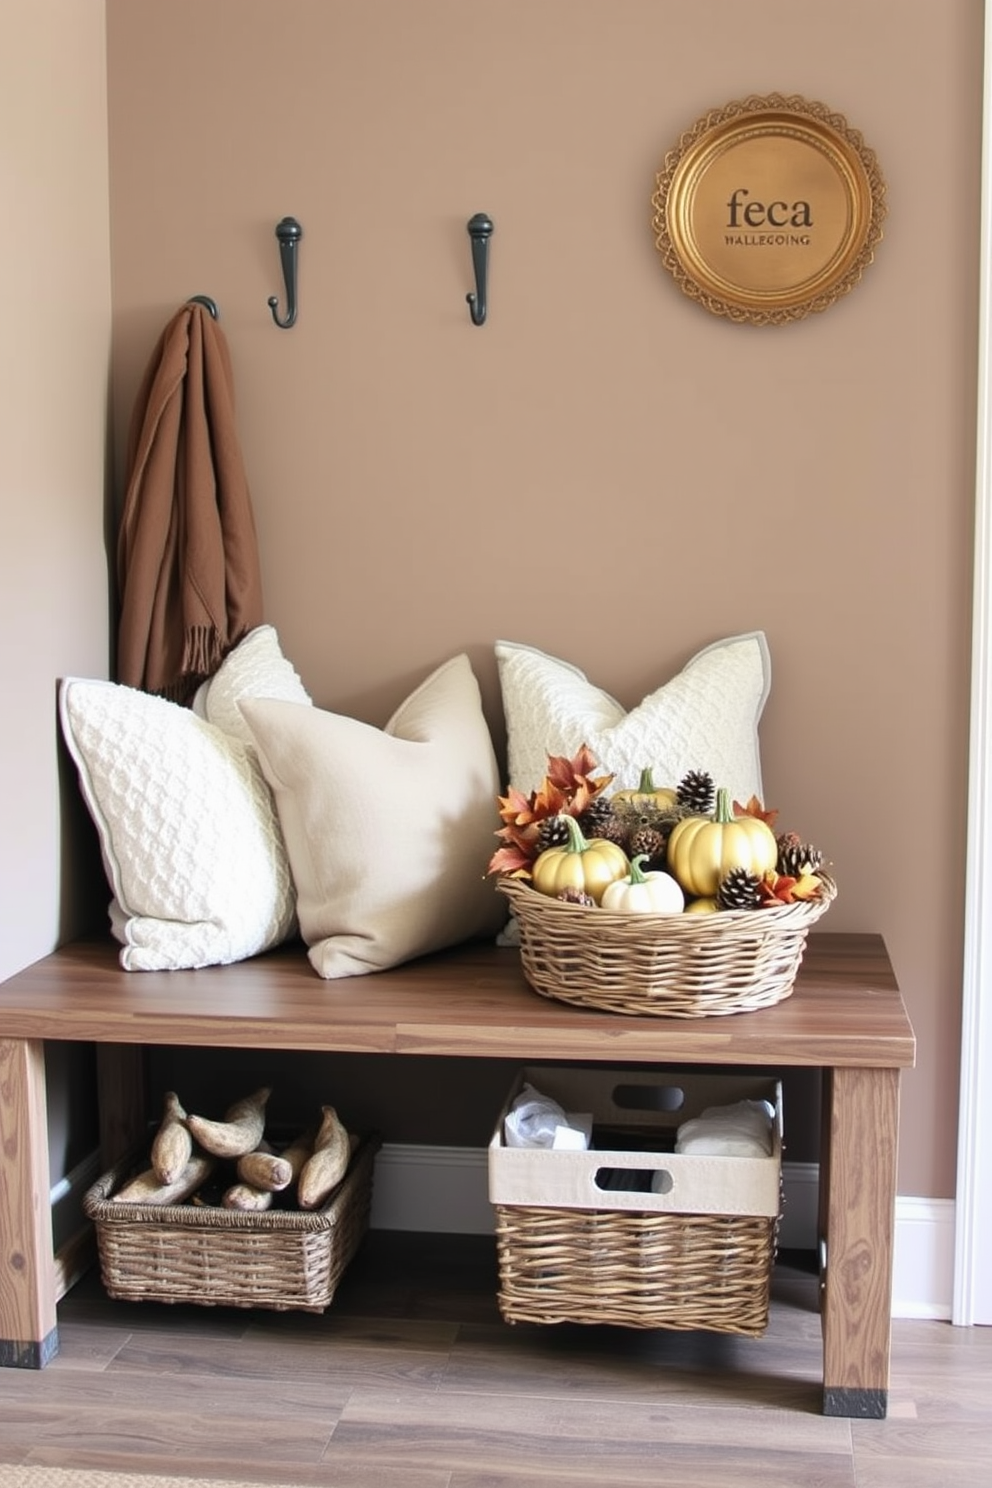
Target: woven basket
[
  {"x": 278, "y": 1259},
  {"x": 674, "y": 966},
  {"x": 635, "y": 1270}
]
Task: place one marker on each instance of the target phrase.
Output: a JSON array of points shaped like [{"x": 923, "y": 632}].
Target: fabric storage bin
[
  {"x": 280, "y": 1259},
  {"x": 630, "y": 1232}
]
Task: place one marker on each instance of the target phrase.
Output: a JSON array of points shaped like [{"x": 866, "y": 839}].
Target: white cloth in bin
[
  {"x": 535, "y": 1120},
  {"x": 743, "y": 1129}
]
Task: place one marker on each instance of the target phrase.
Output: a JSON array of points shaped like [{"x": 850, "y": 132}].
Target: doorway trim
[{"x": 973, "y": 1207}]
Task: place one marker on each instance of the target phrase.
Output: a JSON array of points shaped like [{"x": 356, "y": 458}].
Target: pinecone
[
  {"x": 796, "y": 857},
  {"x": 696, "y": 791},
  {"x": 576, "y": 896},
  {"x": 599, "y": 810},
  {"x": 553, "y": 832},
  {"x": 739, "y": 889},
  {"x": 600, "y": 820},
  {"x": 649, "y": 841}
]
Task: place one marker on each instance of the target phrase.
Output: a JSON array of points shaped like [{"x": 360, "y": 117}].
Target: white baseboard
[
  {"x": 66, "y": 1198},
  {"x": 445, "y": 1189},
  {"x": 923, "y": 1267}
]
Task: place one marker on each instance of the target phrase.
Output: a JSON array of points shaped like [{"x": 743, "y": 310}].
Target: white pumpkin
[{"x": 643, "y": 893}]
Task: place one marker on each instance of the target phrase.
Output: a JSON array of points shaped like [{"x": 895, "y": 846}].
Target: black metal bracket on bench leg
[
  {"x": 862, "y": 1405},
  {"x": 16, "y": 1355}
]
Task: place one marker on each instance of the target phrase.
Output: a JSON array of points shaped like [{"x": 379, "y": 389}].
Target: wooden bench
[{"x": 845, "y": 1017}]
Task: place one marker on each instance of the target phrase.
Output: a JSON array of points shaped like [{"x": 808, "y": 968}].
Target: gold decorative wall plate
[{"x": 769, "y": 209}]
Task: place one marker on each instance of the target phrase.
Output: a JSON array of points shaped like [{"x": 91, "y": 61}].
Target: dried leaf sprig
[{"x": 568, "y": 788}]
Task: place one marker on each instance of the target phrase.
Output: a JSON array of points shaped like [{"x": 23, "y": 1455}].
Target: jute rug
[{"x": 83, "y": 1477}]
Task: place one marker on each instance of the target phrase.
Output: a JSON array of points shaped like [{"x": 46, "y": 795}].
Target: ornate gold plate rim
[{"x": 770, "y": 117}]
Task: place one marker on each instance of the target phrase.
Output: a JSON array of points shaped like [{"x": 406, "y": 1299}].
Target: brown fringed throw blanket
[{"x": 187, "y": 555}]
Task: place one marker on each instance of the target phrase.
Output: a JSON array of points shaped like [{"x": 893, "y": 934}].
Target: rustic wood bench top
[{"x": 845, "y": 1010}]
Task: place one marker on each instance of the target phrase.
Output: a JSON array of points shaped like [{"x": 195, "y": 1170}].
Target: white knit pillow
[
  {"x": 705, "y": 718},
  {"x": 188, "y": 830},
  {"x": 255, "y": 668}
]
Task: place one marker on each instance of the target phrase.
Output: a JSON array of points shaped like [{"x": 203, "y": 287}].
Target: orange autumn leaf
[
  {"x": 526, "y": 837},
  {"x": 574, "y": 777},
  {"x": 755, "y": 808},
  {"x": 779, "y": 888},
  {"x": 564, "y": 771},
  {"x": 776, "y": 888},
  {"x": 550, "y": 800},
  {"x": 512, "y": 861},
  {"x": 567, "y": 789},
  {"x": 515, "y": 806}
]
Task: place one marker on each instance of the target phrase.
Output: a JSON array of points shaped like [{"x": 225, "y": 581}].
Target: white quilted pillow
[
  {"x": 706, "y": 718},
  {"x": 188, "y": 830},
  {"x": 255, "y": 668}
]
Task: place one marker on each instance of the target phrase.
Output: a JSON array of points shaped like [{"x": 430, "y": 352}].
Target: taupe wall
[
  {"x": 54, "y": 365},
  {"x": 603, "y": 470},
  {"x": 54, "y": 372}
]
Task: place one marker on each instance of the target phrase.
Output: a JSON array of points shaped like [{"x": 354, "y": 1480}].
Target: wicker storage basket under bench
[
  {"x": 572, "y": 1247},
  {"x": 279, "y": 1258}
]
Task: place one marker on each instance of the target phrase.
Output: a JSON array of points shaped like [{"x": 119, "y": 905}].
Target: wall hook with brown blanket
[{"x": 187, "y": 554}]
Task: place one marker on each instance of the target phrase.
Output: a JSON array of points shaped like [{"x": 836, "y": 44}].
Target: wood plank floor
[{"x": 412, "y": 1380}]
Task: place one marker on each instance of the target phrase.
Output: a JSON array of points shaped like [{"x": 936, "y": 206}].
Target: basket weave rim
[{"x": 805, "y": 911}]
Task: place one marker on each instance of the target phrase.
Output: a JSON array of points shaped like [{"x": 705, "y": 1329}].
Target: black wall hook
[
  {"x": 480, "y": 230},
  {"x": 207, "y": 303},
  {"x": 289, "y": 232}
]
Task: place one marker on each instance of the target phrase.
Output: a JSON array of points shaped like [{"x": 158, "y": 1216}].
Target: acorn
[{"x": 576, "y": 896}]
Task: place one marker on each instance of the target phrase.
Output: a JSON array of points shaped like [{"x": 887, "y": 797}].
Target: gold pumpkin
[
  {"x": 662, "y": 796},
  {"x": 587, "y": 864},
  {"x": 703, "y": 849}
]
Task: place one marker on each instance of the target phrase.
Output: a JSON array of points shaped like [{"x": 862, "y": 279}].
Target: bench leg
[
  {"x": 120, "y": 1072},
  {"x": 857, "y": 1223},
  {"x": 28, "y": 1332}
]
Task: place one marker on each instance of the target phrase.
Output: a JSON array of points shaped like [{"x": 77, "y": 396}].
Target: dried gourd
[
  {"x": 323, "y": 1171},
  {"x": 262, "y": 1169},
  {"x": 172, "y": 1145},
  {"x": 240, "y": 1131},
  {"x": 146, "y": 1188},
  {"x": 298, "y": 1151},
  {"x": 246, "y": 1197}
]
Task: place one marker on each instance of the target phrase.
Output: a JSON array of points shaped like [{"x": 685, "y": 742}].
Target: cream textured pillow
[
  {"x": 188, "y": 830},
  {"x": 255, "y": 668},
  {"x": 389, "y": 831},
  {"x": 706, "y": 718}
]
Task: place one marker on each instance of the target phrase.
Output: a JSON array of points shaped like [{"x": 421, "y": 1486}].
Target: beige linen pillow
[{"x": 388, "y": 831}]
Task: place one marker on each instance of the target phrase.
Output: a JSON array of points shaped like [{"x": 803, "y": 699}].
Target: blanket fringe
[{"x": 203, "y": 651}]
